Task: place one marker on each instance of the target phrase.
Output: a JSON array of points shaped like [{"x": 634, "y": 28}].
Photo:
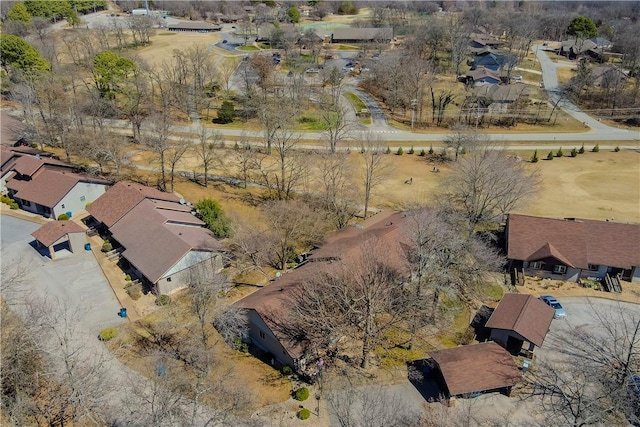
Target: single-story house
[
  {"x": 573, "y": 249},
  {"x": 483, "y": 40},
  {"x": 362, "y": 35},
  {"x": 490, "y": 60},
  {"x": 520, "y": 322},
  {"x": 499, "y": 97},
  {"x": 267, "y": 307},
  {"x": 607, "y": 75},
  {"x": 47, "y": 186},
  {"x": 58, "y": 235},
  {"x": 602, "y": 43},
  {"x": 201, "y": 27},
  {"x": 161, "y": 236},
  {"x": 478, "y": 368},
  {"x": 482, "y": 76},
  {"x": 573, "y": 48}
]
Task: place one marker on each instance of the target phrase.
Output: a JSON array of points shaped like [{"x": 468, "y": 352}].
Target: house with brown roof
[
  {"x": 46, "y": 186},
  {"x": 266, "y": 308},
  {"x": 573, "y": 249},
  {"x": 520, "y": 322},
  {"x": 55, "y": 236},
  {"x": 161, "y": 237},
  {"x": 362, "y": 35},
  {"x": 573, "y": 48},
  {"x": 478, "y": 368},
  {"x": 194, "y": 26}
]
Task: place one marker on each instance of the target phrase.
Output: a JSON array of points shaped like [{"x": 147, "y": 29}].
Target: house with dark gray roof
[
  {"x": 520, "y": 323},
  {"x": 160, "y": 236},
  {"x": 573, "y": 249},
  {"x": 479, "y": 368},
  {"x": 194, "y": 26}
]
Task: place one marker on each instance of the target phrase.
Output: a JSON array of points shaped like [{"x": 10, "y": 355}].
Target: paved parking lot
[{"x": 75, "y": 280}]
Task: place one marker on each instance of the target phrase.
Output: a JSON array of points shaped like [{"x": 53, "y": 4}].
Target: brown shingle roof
[
  {"x": 524, "y": 314},
  {"x": 47, "y": 188},
  {"x": 576, "y": 243},
  {"x": 121, "y": 198},
  {"x": 479, "y": 367},
  {"x": 153, "y": 246},
  {"x": 385, "y": 229},
  {"x": 52, "y": 231}
]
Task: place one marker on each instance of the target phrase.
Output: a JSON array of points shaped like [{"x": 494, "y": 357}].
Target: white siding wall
[
  {"x": 72, "y": 202},
  {"x": 635, "y": 274},
  {"x": 179, "y": 279},
  {"x": 269, "y": 343}
]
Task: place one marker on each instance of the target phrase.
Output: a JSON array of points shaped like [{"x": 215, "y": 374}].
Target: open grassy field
[{"x": 604, "y": 185}]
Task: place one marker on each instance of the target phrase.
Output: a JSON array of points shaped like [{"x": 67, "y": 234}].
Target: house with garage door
[
  {"x": 520, "y": 323},
  {"x": 46, "y": 186},
  {"x": 157, "y": 233},
  {"x": 573, "y": 249}
]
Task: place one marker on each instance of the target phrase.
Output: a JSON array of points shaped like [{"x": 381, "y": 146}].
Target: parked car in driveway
[{"x": 555, "y": 304}]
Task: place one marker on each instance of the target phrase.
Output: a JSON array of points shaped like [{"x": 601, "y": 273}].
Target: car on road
[
  {"x": 517, "y": 78},
  {"x": 555, "y": 304},
  {"x": 313, "y": 70}
]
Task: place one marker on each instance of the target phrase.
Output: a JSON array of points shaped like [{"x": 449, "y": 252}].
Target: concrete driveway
[{"x": 75, "y": 280}]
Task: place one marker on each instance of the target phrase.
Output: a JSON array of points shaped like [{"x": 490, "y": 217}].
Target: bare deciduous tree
[
  {"x": 376, "y": 166},
  {"x": 206, "y": 150},
  {"x": 487, "y": 184}
]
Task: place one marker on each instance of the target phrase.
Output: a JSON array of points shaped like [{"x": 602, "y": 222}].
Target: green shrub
[
  {"x": 107, "y": 246},
  {"x": 411, "y": 150},
  {"x": 63, "y": 217},
  {"x": 400, "y": 151},
  {"x": 559, "y": 153},
  {"x": 581, "y": 150},
  {"x": 574, "y": 152},
  {"x": 422, "y": 153},
  {"x": 431, "y": 149},
  {"x": 88, "y": 204},
  {"x": 550, "y": 155},
  {"x": 127, "y": 277},
  {"x": 13, "y": 206},
  {"x": 236, "y": 146},
  {"x": 226, "y": 112},
  {"x": 34, "y": 145},
  {"x": 163, "y": 300},
  {"x": 108, "y": 334},
  {"x": 302, "y": 394},
  {"x": 286, "y": 370},
  {"x": 240, "y": 345},
  {"x": 535, "y": 159},
  {"x": 616, "y": 149},
  {"x": 9, "y": 201},
  {"x": 596, "y": 148},
  {"x": 388, "y": 150},
  {"x": 304, "y": 414}
]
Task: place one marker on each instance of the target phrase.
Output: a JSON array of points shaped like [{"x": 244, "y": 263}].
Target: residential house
[
  {"x": 484, "y": 41},
  {"x": 193, "y": 26},
  {"x": 575, "y": 47},
  {"x": 520, "y": 323},
  {"x": 608, "y": 75},
  {"x": 602, "y": 43},
  {"x": 161, "y": 237},
  {"x": 60, "y": 235},
  {"x": 482, "y": 76},
  {"x": 498, "y": 98},
  {"x": 267, "y": 308},
  {"x": 362, "y": 35},
  {"x": 490, "y": 60},
  {"x": 46, "y": 186},
  {"x": 471, "y": 369},
  {"x": 573, "y": 249}
]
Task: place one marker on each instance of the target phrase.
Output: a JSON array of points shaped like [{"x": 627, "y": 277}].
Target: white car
[
  {"x": 517, "y": 78},
  {"x": 313, "y": 70}
]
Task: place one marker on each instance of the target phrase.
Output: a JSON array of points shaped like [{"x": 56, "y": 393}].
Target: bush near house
[
  {"x": 163, "y": 300},
  {"x": 9, "y": 201},
  {"x": 550, "y": 155},
  {"x": 302, "y": 394},
  {"x": 107, "y": 246},
  {"x": 63, "y": 217}
]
